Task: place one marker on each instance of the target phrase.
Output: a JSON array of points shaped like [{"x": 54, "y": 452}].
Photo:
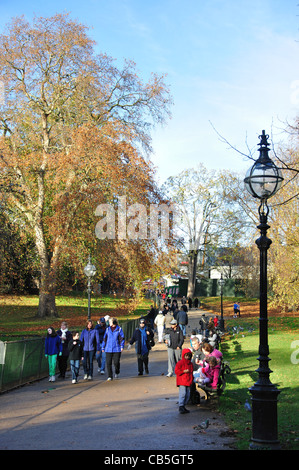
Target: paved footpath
[{"x": 129, "y": 413}]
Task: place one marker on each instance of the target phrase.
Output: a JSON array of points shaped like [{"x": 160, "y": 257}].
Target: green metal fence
[{"x": 24, "y": 361}]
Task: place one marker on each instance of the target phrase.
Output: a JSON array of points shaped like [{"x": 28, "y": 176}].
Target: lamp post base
[{"x": 264, "y": 417}]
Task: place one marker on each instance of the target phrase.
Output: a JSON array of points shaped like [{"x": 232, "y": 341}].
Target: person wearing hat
[
  {"x": 141, "y": 337},
  {"x": 101, "y": 355},
  {"x": 175, "y": 342}
]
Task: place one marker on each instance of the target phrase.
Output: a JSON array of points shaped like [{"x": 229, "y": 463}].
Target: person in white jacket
[{"x": 160, "y": 322}]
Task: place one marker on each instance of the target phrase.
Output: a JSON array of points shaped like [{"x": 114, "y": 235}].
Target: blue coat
[
  {"x": 137, "y": 339},
  {"x": 114, "y": 340},
  {"x": 53, "y": 345},
  {"x": 101, "y": 332},
  {"x": 90, "y": 340}
]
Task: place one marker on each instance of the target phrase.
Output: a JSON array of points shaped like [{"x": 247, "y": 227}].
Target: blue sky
[{"x": 232, "y": 63}]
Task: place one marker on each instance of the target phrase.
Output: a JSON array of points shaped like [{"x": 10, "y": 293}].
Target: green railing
[{"x": 22, "y": 361}]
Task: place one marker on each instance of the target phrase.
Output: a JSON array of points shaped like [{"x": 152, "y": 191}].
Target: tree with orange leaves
[{"x": 72, "y": 127}]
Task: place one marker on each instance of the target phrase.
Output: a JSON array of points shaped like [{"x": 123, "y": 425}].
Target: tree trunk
[
  {"x": 47, "y": 305},
  {"x": 47, "y": 289},
  {"x": 192, "y": 273}
]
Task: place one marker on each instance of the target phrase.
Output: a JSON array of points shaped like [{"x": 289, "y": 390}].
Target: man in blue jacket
[{"x": 142, "y": 337}]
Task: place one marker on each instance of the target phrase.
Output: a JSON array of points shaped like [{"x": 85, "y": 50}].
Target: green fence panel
[
  {"x": 35, "y": 363},
  {"x": 13, "y": 363},
  {"x": 128, "y": 328},
  {"x": 22, "y": 361}
]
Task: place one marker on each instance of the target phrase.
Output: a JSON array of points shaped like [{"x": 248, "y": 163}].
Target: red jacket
[{"x": 184, "y": 378}]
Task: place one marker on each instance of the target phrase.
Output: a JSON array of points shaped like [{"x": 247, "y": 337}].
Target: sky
[{"x": 232, "y": 68}]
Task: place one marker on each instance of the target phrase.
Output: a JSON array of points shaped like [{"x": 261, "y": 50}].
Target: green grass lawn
[
  {"x": 18, "y": 313},
  {"x": 241, "y": 351}
]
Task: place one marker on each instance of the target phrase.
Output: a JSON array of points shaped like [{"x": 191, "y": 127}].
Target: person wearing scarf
[
  {"x": 141, "y": 337},
  {"x": 65, "y": 337}
]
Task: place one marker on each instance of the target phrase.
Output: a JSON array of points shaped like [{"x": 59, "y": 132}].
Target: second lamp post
[
  {"x": 90, "y": 271},
  {"x": 221, "y": 282}
]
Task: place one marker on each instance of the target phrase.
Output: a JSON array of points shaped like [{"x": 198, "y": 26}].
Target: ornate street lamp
[
  {"x": 89, "y": 271},
  {"x": 262, "y": 181},
  {"x": 221, "y": 283}
]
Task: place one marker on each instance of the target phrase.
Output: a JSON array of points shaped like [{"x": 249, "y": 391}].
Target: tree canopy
[{"x": 73, "y": 131}]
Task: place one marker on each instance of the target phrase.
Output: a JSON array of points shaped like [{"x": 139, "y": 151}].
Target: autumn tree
[
  {"x": 73, "y": 126},
  {"x": 284, "y": 221},
  {"x": 197, "y": 195}
]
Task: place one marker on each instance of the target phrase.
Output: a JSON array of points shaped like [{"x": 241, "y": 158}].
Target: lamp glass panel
[{"x": 263, "y": 180}]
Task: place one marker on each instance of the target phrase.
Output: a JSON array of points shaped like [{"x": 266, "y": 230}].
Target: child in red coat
[{"x": 184, "y": 378}]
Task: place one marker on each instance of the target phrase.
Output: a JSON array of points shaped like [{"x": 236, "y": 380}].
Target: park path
[{"x": 129, "y": 413}]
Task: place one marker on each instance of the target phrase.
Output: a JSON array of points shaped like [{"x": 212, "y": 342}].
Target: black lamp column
[
  {"x": 264, "y": 393},
  {"x": 221, "y": 283},
  {"x": 262, "y": 181}
]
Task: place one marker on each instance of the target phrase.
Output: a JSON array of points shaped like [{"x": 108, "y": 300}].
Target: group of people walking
[
  {"x": 198, "y": 364},
  {"x": 105, "y": 341}
]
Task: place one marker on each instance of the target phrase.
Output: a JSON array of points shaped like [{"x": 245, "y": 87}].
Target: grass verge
[
  {"x": 240, "y": 349},
  {"x": 18, "y": 313}
]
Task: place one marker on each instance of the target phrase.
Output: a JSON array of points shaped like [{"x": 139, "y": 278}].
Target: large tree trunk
[
  {"x": 47, "y": 289},
  {"x": 47, "y": 305},
  {"x": 193, "y": 254}
]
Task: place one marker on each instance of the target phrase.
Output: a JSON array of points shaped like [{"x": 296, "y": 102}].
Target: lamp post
[
  {"x": 262, "y": 181},
  {"x": 89, "y": 271},
  {"x": 155, "y": 287},
  {"x": 221, "y": 282}
]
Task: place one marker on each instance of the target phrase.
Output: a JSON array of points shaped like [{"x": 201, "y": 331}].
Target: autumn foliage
[{"x": 75, "y": 130}]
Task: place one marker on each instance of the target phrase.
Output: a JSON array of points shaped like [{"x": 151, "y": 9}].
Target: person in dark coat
[
  {"x": 75, "y": 347},
  {"x": 174, "y": 338},
  {"x": 182, "y": 318},
  {"x": 151, "y": 316},
  {"x": 65, "y": 336},
  {"x": 142, "y": 337},
  {"x": 101, "y": 355}
]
